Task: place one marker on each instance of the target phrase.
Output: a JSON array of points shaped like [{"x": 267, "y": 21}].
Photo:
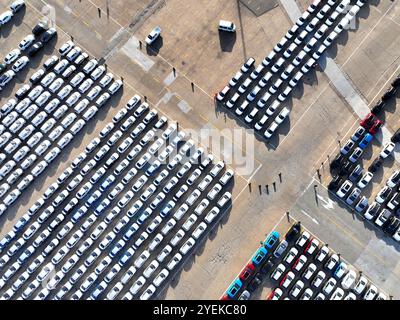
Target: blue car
[
  {"x": 271, "y": 239},
  {"x": 234, "y": 288},
  {"x": 259, "y": 256},
  {"x": 366, "y": 140},
  {"x": 340, "y": 270}
]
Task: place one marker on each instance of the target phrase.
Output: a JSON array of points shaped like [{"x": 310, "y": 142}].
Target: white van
[{"x": 226, "y": 26}]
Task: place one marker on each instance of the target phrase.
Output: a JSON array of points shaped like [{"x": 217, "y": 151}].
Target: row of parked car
[
  {"x": 389, "y": 94},
  {"x": 29, "y": 125},
  {"x": 137, "y": 218},
  {"x": 350, "y": 179},
  {"x": 30, "y": 45},
  {"x": 317, "y": 274},
  {"x": 7, "y": 16},
  {"x": 303, "y": 269},
  {"x": 295, "y": 55}
]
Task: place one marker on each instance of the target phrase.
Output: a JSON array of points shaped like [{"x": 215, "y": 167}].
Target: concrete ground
[{"x": 280, "y": 172}]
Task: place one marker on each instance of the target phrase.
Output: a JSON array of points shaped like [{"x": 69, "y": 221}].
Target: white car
[
  {"x": 105, "y": 81},
  {"x": 174, "y": 261},
  {"x": 387, "y": 150},
  {"x": 56, "y": 85},
  {"x": 160, "y": 278},
  {"x": 6, "y": 77},
  {"x": 98, "y": 72},
  {"x": 89, "y": 67},
  {"x": 20, "y": 64},
  {"x": 278, "y": 272},
  {"x": 66, "y": 47},
  {"x": 11, "y": 197},
  {"x": 12, "y": 56},
  {"x": 102, "y": 99},
  {"x": 332, "y": 262},
  {"x": 115, "y": 86},
  {"x": 74, "y": 53},
  {"x": 361, "y": 285},
  {"x": 26, "y": 42},
  {"x": 153, "y": 35},
  {"x": 114, "y": 292},
  {"x": 187, "y": 246},
  {"x": 365, "y": 180},
  {"x": 349, "y": 280},
  {"x": 6, "y": 17},
  {"x": 211, "y": 215},
  {"x": 148, "y": 293},
  {"x": 344, "y": 189},
  {"x": 148, "y": 272},
  {"x": 318, "y": 279},
  {"x": 371, "y": 293},
  {"x": 137, "y": 285},
  {"x": 85, "y": 85}
]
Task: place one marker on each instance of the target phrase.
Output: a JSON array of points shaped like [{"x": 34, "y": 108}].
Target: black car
[
  {"x": 335, "y": 183},
  {"x": 388, "y": 94},
  {"x": 35, "y": 48},
  {"x": 293, "y": 232},
  {"x": 48, "y": 35},
  {"x": 255, "y": 283},
  {"x": 396, "y": 83},
  {"x": 375, "y": 165},
  {"x": 356, "y": 173},
  {"x": 267, "y": 266},
  {"x": 39, "y": 29},
  {"x": 392, "y": 225},
  {"x": 346, "y": 168},
  {"x": 335, "y": 164},
  {"x": 3, "y": 67},
  {"x": 376, "y": 109},
  {"x": 396, "y": 136}
]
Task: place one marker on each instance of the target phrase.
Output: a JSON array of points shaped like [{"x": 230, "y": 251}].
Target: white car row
[
  {"x": 287, "y": 74},
  {"x": 38, "y": 97},
  {"x": 84, "y": 192}
]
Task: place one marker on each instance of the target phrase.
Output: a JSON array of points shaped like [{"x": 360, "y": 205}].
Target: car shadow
[
  {"x": 155, "y": 47},
  {"x": 16, "y": 21},
  {"x": 227, "y": 40}
]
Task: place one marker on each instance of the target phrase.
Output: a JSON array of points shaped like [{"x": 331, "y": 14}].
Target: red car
[
  {"x": 376, "y": 126},
  {"x": 224, "y": 297},
  {"x": 368, "y": 121},
  {"x": 247, "y": 272},
  {"x": 275, "y": 295}
]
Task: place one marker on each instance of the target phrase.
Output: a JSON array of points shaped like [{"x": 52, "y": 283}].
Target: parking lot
[
  {"x": 297, "y": 265},
  {"x": 95, "y": 226},
  {"x": 321, "y": 117}
]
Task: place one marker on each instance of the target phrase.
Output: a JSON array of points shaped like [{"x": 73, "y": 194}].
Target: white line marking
[
  {"x": 254, "y": 173},
  {"x": 328, "y": 203},
  {"x": 310, "y": 217}
]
